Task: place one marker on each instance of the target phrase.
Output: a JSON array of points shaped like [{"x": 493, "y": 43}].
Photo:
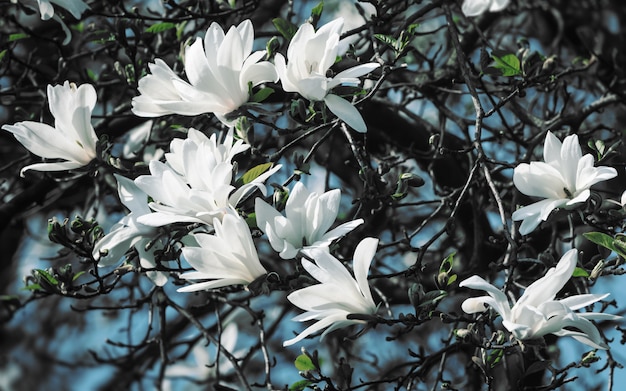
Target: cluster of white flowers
[
  {"x": 222, "y": 69},
  {"x": 195, "y": 184}
]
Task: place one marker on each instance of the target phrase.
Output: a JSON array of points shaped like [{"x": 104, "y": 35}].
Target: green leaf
[
  {"x": 447, "y": 263},
  {"x": 601, "y": 239},
  {"x": 580, "y": 272},
  {"x": 386, "y": 39},
  {"x": 433, "y": 297},
  {"x": 32, "y": 287},
  {"x": 47, "y": 277},
  {"x": 2, "y": 54},
  {"x": 508, "y": 64},
  {"x": 300, "y": 385},
  {"x": 78, "y": 275},
  {"x": 495, "y": 356},
  {"x": 452, "y": 279},
  {"x": 92, "y": 75},
  {"x": 251, "y": 220},
  {"x": 254, "y": 173},
  {"x": 17, "y": 36},
  {"x": 159, "y": 27},
  {"x": 316, "y": 12},
  {"x": 285, "y": 28},
  {"x": 304, "y": 363},
  {"x": 262, "y": 94},
  {"x": 79, "y": 27},
  {"x": 619, "y": 243}
]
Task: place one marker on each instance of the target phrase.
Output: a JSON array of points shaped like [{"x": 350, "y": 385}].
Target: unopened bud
[
  {"x": 462, "y": 333},
  {"x": 597, "y": 270}
]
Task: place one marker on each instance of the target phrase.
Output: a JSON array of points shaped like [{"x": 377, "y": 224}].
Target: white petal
[
  {"x": 346, "y": 112},
  {"x": 545, "y": 288},
  {"x": 500, "y": 302},
  {"x": 363, "y": 256},
  {"x": 474, "y": 7}
]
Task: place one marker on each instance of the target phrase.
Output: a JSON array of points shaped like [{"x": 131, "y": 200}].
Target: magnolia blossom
[
  {"x": 195, "y": 184},
  {"x": 75, "y": 7},
  {"x": 477, "y": 7},
  {"x": 308, "y": 217},
  {"x": 207, "y": 149},
  {"x": 537, "y": 313},
  {"x": 128, "y": 232},
  {"x": 72, "y": 139},
  {"x": 338, "y": 295},
  {"x": 226, "y": 258},
  {"x": 221, "y": 68},
  {"x": 310, "y": 55},
  {"x": 563, "y": 180}
]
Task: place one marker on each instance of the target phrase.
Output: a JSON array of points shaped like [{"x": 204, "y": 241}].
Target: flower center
[
  {"x": 567, "y": 192},
  {"x": 311, "y": 66}
]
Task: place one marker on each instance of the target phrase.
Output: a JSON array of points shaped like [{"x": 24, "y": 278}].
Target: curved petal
[
  {"x": 363, "y": 256},
  {"x": 350, "y": 75},
  {"x": 314, "y": 328},
  {"x": 338, "y": 232},
  {"x": 346, "y": 112},
  {"x": 474, "y": 7},
  {"x": 500, "y": 303},
  {"x": 546, "y": 288}
]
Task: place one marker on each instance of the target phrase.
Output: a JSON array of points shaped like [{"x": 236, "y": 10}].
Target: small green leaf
[
  {"x": 452, "y": 279},
  {"x": 47, "y": 277},
  {"x": 159, "y": 27},
  {"x": 304, "y": 363},
  {"x": 386, "y": 39},
  {"x": 447, "y": 263},
  {"x": 619, "y": 243},
  {"x": 262, "y": 94},
  {"x": 79, "y": 27},
  {"x": 92, "y": 75},
  {"x": 2, "y": 54},
  {"x": 32, "y": 287},
  {"x": 580, "y": 272},
  {"x": 495, "y": 356},
  {"x": 300, "y": 385},
  {"x": 285, "y": 28},
  {"x": 508, "y": 64},
  {"x": 316, "y": 13},
  {"x": 433, "y": 297},
  {"x": 17, "y": 36},
  {"x": 78, "y": 275},
  {"x": 254, "y": 173}
]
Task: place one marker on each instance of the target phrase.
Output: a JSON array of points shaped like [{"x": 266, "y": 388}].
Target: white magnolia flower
[
  {"x": 338, "y": 295},
  {"x": 221, "y": 68},
  {"x": 310, "y": 55},
  {"x": 537, "y": 313},
  {"x": 72, "y": 138},
  {"x": 75, "y": 7},
  {"x": 128, "y": 232},
  {"x": 477, "y": 7},
  {"x": 308, "y": 217},
  {"x": 563, "y": 180},
  {"x": 226, "y": 258},
  {"x": 203, "y": 147},
  {"x": 195, "y": 184}
]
